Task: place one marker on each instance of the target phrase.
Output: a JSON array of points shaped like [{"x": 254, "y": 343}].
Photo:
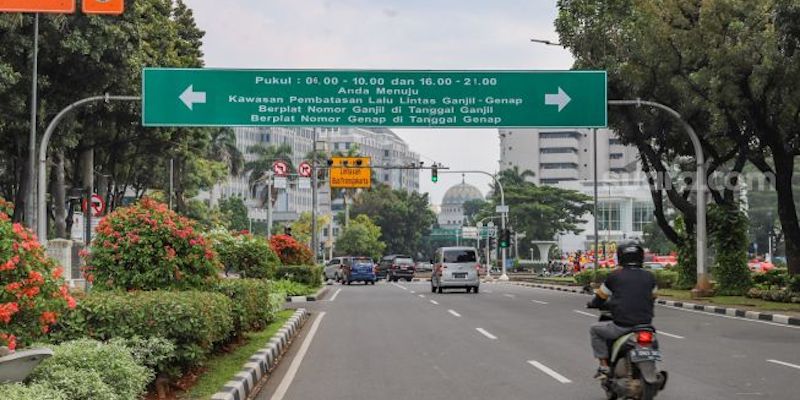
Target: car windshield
[
  {"x": 406, "y": 261},
  {"x": 459, "y": 256}
]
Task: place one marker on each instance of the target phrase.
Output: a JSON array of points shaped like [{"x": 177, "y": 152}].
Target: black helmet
[{"x": 630, "y": 254}]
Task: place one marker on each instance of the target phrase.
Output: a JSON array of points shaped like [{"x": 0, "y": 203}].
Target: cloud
[{"x": 390, "y": 34}]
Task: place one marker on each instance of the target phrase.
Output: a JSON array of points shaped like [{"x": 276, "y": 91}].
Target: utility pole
[
  {"x": 270, "y": 182},
  {"x": 314, "y": 178},
  {"x": 30, "y": 196},
  {"x": 596, "y": 239}
]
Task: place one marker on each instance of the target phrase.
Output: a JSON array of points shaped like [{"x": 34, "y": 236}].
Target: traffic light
[
  {"x": 505, "y": 238},
  {"x": 435, "y": 173}
]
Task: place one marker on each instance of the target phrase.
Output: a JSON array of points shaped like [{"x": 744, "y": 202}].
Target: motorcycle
[{"x": 633, "y": 373}]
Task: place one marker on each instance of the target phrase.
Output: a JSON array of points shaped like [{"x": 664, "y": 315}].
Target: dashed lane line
[
  {"x": 785, "y": 364},
  {"x": 553, "y": 374},
  {"x": 421, "y": 296},
  {"x": 585, "y": 313},
  {"x": 510, "y": 296},
  {"x": 434, "y": 302},
  {"x": 672, "y": 335},
  {"x": 484, "y": 332},
  {"x": 455, "y": 314},
  {"x": 400, "y": 286},
  {"x": 540, "y": 302},
  {"x": 335, "y": 294}
]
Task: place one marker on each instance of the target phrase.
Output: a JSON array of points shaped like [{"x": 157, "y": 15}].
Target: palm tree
[
  {"x": 223, "y": 149},
  {"x": 260, "y": 168}
]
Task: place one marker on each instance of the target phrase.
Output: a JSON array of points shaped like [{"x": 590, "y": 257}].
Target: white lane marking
[
  {"x": 785, "y": 364},
  {"x": 298, "y": 359},
  {"x": 553, "y": 374},
  {"x": 487, "y": 291},
  {"x": 485, "y": 333},
  {"x": 421, "y": 296},
  {"x": 455, "y": 314},
  {"x": 730, "y": 317},
  {"x": 672, "y": 335},
  {"x": 412, "y": 292},
  {"x": 400, "y": 286},
  {"x": 540, "y": 302},
  {"x": 584, "y": 313},
  {"x": 511, "y": 296},
  {"x": 434, "y": 302},
  {"x": 335, "y": 294}
]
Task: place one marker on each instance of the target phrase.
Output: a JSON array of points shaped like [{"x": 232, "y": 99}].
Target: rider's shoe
[{"x": 602, "y": 373}]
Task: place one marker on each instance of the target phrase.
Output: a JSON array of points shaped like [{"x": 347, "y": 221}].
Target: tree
[
  {"x": 404, "y": 218},
  {"x": 235, "y": 213},
  {"x": 472, "y": 208},
  {"x": 728, "y": 67},
  {"x": 361, "y": 238},
  {"x": 301, "y": 229},
  {"x": 260, "y": 168},
  {"x": 655, "y": 241}
]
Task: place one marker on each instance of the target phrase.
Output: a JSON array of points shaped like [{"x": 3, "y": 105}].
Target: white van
[{"x": 456, "y": 268}]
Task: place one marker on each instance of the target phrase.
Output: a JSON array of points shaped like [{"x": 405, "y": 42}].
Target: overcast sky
[{"x": 390, "y": 34}]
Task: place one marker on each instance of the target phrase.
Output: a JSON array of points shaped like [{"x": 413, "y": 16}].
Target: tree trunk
[
  {"x": 346, "y": 211},
  {"x": 787, "y": 211},
  {"x": 59, "y": 197},
  {"x": 22, "y": 191}
]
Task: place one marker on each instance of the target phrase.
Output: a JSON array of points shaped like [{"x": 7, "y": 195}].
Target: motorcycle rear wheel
[
  {"x": 610, "y": 395},
  {"x": 649, "y": 391}
]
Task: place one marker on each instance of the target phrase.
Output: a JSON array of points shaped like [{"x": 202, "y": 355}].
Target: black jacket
[{"x": 631, "y": 292}]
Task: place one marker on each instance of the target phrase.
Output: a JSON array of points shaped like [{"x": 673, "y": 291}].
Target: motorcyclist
[{"x": 629, "y": 294}]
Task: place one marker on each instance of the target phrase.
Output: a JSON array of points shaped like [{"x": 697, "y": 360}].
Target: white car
[{"x": 456, "y": 268}]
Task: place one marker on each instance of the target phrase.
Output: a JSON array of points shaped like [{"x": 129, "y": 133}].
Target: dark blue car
[{"x": 361, "y": 270}]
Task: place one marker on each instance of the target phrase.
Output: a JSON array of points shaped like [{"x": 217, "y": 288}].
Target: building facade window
[
  {"x": 608, "y": 216},
  {"x": 615, "y": 142},
  {"x": 615, "y": 156},
  {"x": 642, "y": 215},
  {"x": 559, "y": 135},
  {"x": 559, "y": 166},
  {"x": 559, "y": 150}
]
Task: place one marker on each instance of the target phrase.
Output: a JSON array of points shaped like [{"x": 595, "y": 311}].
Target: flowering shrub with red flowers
[
  {"x": 149, "y": 247},
  {"x": 291, "y": 251},
  {"x": 33, "y": 294}
]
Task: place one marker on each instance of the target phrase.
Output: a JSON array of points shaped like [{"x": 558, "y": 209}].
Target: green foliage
[
  {"x": 290, "y": 251},
  {"x": 291, "y": 288},
  {"x": 149, "y": 247},
  {"x": 589, "y": 276},
  {"x": 235, "y": 212},
  {"x": 472, "y": 208},
  {"x": 404, "y": 218},
  {"x": 247, "y": 297},
  {"x": 261, "y": 167},
  {"x": 665, "y": 279},
  {"x": 245, "y": 254},
  {"x": 194, "y": 321},
  {"x": 310, "y": 275},
  {"x": 301, "y": 228},
  {"x": 33, "y": 294},
  {"x": 149, "y": 352},
  {"x": 777, "y": 295},
  {"x": 729, "y": 239},
  {"x": 37, "y": 391},
  {"x": 86, "y": 370},
  {"x": 687, "y": 256},
  {"x": 655, "y": 240},
  {"x": 361, "y": 238},
  {"x": 773, "y": 279}
]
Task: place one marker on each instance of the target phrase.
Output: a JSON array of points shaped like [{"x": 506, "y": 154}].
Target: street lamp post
[{"x": 489, "y": 227}]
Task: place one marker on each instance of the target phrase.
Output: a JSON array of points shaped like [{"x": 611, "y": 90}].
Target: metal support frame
[{"x": 42, "y": 192}]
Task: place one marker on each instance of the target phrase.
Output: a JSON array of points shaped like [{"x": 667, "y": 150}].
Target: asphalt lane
[{"x": 401, "y": 341}]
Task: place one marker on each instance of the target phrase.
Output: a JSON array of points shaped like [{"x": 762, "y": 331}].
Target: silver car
[{"x": 456, "y": 268}]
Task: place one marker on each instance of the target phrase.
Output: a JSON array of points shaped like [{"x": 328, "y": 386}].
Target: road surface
[{"x": 400, "y": 341}]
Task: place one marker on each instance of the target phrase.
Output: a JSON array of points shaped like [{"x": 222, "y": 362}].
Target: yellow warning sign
[{"x": 351, "y": 173}]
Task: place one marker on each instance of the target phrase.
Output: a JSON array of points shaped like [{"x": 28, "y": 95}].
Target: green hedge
[
  {"x": 777, "y": 295},
  {"x": 291, "y": 288},
  {"x": 664, "y": 279},
  {"x": 90, "y": 370},
  {"x": 247, "y": 255},
  {"x": 310, "y": 275},
  {"x": 250, "y": 301},
  {"x": 194, "y": 321},
  {"x": 30, "y": 392}
]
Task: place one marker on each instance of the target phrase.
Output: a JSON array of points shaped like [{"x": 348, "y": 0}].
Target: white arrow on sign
[
  {"x": 190, "y": 97},
  {"x": 560, "y": 99}
]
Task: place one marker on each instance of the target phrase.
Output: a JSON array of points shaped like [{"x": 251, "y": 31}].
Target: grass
[
  {"x": 293, "y": 288},
  {"x": 222, "y": 367},
  {"x": 740, "y": 301}
]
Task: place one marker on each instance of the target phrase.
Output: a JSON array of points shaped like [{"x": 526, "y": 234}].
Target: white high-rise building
[{"x": 564, "y": 158}]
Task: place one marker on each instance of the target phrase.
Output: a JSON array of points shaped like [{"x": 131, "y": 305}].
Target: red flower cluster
[
  {"x": 32, "y": 290},
  {"x": 147, "y": 247},
  {"x": 290, "y": 251}
]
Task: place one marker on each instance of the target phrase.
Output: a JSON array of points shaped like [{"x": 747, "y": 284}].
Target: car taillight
[
  {"x": 478, "y": 268},
  {"x": 644, "y": 338},
  {"x": 394, "y": 266}
]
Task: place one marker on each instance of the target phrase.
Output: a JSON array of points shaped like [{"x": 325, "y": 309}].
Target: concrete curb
[
  {"x": 707, "y": 309},
  {"x": 303, "y": 299},
  {"x": 263, "y": 361}
]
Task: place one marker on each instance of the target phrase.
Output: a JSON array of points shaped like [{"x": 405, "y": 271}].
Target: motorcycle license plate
[{"x": 639, "y": 355}]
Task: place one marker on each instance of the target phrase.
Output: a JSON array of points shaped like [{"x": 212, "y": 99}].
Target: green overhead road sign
[{"x": 467, "y": 99}]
